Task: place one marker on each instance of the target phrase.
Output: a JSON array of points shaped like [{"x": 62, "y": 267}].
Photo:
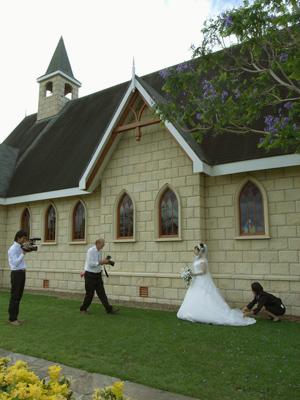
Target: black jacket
[{"x": 264, "y": 299}]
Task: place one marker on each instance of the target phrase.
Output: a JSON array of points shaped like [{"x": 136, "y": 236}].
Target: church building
[{"x": 104, "y": 165}]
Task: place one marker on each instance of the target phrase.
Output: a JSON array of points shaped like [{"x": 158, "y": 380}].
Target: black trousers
[
  {"x": 17, "y": 280},
  {"x": 276, "y": 309},
  {"x": 93, "y": 282}
]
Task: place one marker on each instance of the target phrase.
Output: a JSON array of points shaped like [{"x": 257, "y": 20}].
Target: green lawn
[{"x": 156, "y": 349}]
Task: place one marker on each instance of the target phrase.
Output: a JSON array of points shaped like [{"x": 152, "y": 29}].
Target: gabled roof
[
  {"x": 54, "y": 157},
  {"x": 8, "y": 157}
]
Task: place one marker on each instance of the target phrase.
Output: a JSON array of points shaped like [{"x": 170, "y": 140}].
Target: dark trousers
[
  {"x": 93, "y": 282},
  {"x": 17, "y": 280}
]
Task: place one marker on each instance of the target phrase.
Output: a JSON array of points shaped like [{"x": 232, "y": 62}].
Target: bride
[{"x": 203, "y": 301}]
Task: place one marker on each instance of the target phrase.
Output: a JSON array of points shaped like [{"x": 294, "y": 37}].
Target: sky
[{"x": 101, "y": 38}]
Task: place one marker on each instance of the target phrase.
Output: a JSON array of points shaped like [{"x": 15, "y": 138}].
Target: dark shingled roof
[
  {"x": 58, "y": 154},
  {"x": 8, "y": 157},
  {"x": 53, "y": 154},
  {"x": 60, "y": 60}
]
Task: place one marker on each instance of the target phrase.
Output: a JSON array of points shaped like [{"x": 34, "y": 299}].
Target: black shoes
[{"x": 113, "y": 311}]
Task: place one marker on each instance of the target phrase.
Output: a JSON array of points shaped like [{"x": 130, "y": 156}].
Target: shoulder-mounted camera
[{"x": 30, "y": 245}]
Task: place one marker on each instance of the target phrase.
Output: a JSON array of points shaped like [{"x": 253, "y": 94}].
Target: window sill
[
  {"x": 124, "y": 240},
  {"x": 54, "y": 243},
  {"x": 78, "y": 242},
  {"x": 259, "y": 237},
  {"x": 170, "y": 239}
]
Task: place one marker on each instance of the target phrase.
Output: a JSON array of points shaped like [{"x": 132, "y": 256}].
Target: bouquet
[{"x": 186, "y": 275}]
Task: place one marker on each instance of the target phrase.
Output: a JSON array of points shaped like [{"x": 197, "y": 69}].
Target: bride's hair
[{"x": 202, "y": 247}]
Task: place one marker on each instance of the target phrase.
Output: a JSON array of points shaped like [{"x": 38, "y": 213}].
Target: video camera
[
  {"x": 110, "y": 261},
  {"x": 30, "y": 245}
]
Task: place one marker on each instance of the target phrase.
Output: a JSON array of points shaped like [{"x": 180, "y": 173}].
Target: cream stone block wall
[
  {"x": 51, "y": 105},
  {"x": 143, "y": 169},
  {"x": 3, "y": 250},
  {"x": 208, "y": 211},
  {"x": 235, "y": 263},
  {"x": 58, "y": 262}
]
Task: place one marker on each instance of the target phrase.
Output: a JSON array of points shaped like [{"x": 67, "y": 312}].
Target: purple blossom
[
  {"x": 182, "y": 67},
  {"x": 285, "y": 121},
  {"x": 283, "y": 57},
  {"x": 224, "y": 95},
  {"x": 209, "y": 90},
  {"x": 227, "y": 20},
  {"x": 198, "y": 116},
  {"x": 288, "y": 105},
  {"x": 164, "y": 73},
  {"x": 271, "y": 123}
]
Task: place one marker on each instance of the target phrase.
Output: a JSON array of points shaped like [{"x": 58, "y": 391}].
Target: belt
[{"x": 18, "y": 270}]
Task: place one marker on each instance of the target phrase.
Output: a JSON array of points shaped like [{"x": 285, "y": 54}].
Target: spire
[
  {"x": 133, "y": 75},
  {"x": 60, "y": 60},
  {"x": 133, "y": 68}
]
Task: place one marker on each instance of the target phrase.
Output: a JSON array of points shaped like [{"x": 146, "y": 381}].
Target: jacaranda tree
[{"x": 243, "y": 78}]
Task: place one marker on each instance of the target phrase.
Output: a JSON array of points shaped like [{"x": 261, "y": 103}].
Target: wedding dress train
[{"x": 204, "y": 303}]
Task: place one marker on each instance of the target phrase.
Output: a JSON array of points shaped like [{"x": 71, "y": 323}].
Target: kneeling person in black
[
  {"x": 93, "y": 278},
  {"x": 266, "y": 302}
]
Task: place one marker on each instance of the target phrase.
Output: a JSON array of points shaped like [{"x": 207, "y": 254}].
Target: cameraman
[
  {"x": 93, "y": 278},
  {"x": 17, "y": 277}
]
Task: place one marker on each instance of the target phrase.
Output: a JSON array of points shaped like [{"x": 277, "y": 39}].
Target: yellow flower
[
  {"x": 117, "y": 389},
  {"x": 20, "y": 364},
  {"x": 54, "y": 372},
  {"x": 96, "y": 395}
]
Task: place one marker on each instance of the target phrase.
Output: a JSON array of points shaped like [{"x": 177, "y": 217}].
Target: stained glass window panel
[
  {"x": 251, "y": 210},
  {"x": 79, "y": 222},
  {"x": 125, "y": 218},
  {"x": 25, "y": 221},
  {"x": 50, "y": 224},
  {"x": 168, "y": 214}
]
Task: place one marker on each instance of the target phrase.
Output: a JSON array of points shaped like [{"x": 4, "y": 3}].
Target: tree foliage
[{"x": 243, "y": 78}]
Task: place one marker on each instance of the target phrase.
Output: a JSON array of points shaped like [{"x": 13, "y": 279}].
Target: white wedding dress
[{"x": 204, "y": 303}]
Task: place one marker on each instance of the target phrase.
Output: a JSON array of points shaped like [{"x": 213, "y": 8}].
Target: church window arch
[
  {"x": 50, "y": 224},
  {"x": 49, "y": 89},
  {"x": 252, "y": 211},
  {"x": 168, "y": 218},
  {"x": 25, "y": 221},
  {"x": 68, "y": 91},
  {"x": 78, "y": 222},
  {"x": 125, "y": 217}
]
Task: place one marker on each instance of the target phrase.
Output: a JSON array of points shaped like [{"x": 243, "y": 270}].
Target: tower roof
[{"x": 60, "y": 60}]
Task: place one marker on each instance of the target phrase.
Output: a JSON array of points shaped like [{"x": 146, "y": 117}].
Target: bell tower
[{"x": 58, "y": 85}]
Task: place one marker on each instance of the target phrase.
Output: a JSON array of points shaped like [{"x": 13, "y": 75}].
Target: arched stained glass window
[
  {"x": 168, "y": 214},
  {"x": 50, "y": 224},
  {"x": 125, "y": 217},
  {"x": 78, "y": 222},
  {"x": 25, "y": 221},
  {"x": 251, "y": 208}
]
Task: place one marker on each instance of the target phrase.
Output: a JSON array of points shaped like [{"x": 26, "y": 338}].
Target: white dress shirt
[
  {"x": 16, "y": 257},
  {"x": 93, "y": 256}
]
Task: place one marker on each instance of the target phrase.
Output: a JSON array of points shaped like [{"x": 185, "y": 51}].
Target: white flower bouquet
[{"x": 186, "y": 274}]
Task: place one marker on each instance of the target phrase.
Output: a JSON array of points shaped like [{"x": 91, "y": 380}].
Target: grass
[{"x": 154, "y": 348}]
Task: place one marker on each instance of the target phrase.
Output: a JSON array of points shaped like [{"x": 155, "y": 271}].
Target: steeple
[
  {"x": 60, "y": 60},
  {"x": 58, "y": 85}
]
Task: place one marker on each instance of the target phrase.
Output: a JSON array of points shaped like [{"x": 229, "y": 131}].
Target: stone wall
[
  {"x": 3, "y": 250},
  {"x": 51, "y": 105},
  {"x": 208, "y": 212},
  {"x": 143, "y": 169},
  {"x": 274, "y": 261}
]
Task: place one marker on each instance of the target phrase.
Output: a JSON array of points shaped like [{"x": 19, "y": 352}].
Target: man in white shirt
[
  {"x": 93, "y": 278},
  {"x": 17, "y": 276}
]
